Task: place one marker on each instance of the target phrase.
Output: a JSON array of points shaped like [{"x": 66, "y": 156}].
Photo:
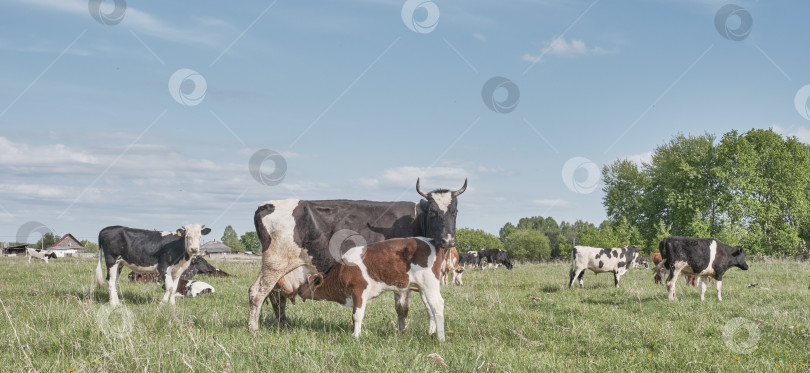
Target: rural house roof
[
  {"x": 215, "y": 247},
  {"x": 67, "y": 242}
]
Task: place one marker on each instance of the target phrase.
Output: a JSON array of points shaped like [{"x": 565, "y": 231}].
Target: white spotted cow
[
  {"x": 701, "y": 257},
  {"x": 192, "y": 288},
  {"x": 399, "y": 265},
  {"x": 617, "y": 260},
  {"x": 168, "y": 253},
  {"x": 39, "y": 254}
]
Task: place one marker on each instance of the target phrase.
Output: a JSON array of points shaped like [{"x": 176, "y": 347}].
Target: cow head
[
  {"x": 192, "y": 234},
  {"x": 307, "y": 290},
  {"x": 503, "y": 258},
  {"x": 439, "y": 214},
  {"x": 738, "y": 258},
  {"x": 638, "y": 259}
]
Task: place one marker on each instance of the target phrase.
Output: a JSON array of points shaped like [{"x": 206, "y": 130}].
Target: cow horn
[
  {"x": 458, "y": 192},
  {"x": 419, "y": 190}
]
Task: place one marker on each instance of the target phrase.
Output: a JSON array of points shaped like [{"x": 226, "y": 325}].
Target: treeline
[{"x": 750, "y": 189}]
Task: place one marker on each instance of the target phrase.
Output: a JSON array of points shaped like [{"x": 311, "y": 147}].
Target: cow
[
  {"x": 39, "y": 254},
  {"x": 470, "y": 257},
  {"x": 399, "y": 265},
  {"x": 617, "y": 260},
  {"x": 300, "y": 238},
  {"x": 656, "y": 258},
  {"x": 450, "y": 267},
  {"x": 198, "y": 266},
  {"x": 701, "y": 257},
  {"x": 191, "y": 288},
  {"x": 168, "y": 253},
  {"x": 494, "y": 256}
]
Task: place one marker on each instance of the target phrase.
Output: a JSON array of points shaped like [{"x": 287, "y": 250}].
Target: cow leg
[
  {"x": 258, "y": 292},
  {"x": 29, "y": 259},
  {"x": 672, "y": 279},
  {"x": 431, "y": 295},
  {"x": 581, "y": 278},
  {"x": 431, "y": 316},
  {"x": 574, "y": 275},
  {"x": 719, "y": 290},
  {"x": 357, "y": 315},
  {"x": 279, "y": 304},
  {"x": 703, "y": 284},
  {"x": 112, "y": 279},
  {"x": 169, "y": 283},
  {"x": 402, "y": 302},
  {"x": 616, "y": 276},
  {"x": 176, "y": 274}
]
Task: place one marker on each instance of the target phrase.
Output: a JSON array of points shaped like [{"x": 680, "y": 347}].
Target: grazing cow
[
  {"x": 450, "y": 267},
  {"x": 399, "y": 265},
  {"x": 39, "y": 254},
  {"x": 192, "y": 288},
  {"x": 617, "y": 260},
  {"x": 701, "y": 257},
  {"x": 470, "y": 257},
  {"x": 298, "y": 237},
  {"x": 198, "y": 266},
  {"x": 168, "y": 253},
  {"x": 494, "y": 256},
  {"x": 656, "y": 258}
]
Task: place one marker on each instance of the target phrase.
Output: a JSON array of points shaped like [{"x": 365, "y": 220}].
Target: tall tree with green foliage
[
  {"x": 89, "y": 247},
  {"x": 476, "y": 239},
  {"x": 47, "y": 240},
  {"x": 528, "y": 244},
  {"x": 250, "y": 240},
  {"x": 231, "y": 239}
]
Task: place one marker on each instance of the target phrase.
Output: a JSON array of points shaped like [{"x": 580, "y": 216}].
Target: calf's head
[
  {"x": 439, "y": 210},
  {"x": 308, "y": 290},
  {"x": 738, "y": 258},
  {"x": 192, "y": 234},
  {"x": 638, "y": 259}
]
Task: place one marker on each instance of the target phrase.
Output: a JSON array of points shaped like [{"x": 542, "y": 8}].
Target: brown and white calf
[
  {"x": 39, "y": 254},
  {"x": 656, "y": 258},
  {"x": 450, "y": 267},
  {"x": 399, "y": 265}
]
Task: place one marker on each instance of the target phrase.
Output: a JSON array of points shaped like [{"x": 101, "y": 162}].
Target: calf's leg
[
  {"x": 357, "y": 315},
  {"x": 402, "y": 302},
  {"x": 434, "y": 302}
]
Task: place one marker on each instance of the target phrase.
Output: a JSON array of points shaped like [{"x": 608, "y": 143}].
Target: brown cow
[
  {"x": 656, "y": 258},
  {"x": 450, "y": 267},
  {"x": 399, "y": 265}
]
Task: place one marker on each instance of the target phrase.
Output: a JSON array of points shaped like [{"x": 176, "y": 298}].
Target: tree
[
  {"x": 231, "y": 239},
  {"x": 528, "y": 244},
  {"x": 250, "y": 240},
  {"x": 507, "y": 229},
  {"x": 89, "y": 247},
  {"x": 476, "y": 239},
  {"x": 47, "y": 240}
]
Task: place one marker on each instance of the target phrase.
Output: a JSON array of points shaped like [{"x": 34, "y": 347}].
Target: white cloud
[
  {"x": 561, "y": 47},
  {"x": 801, "y": 133}
]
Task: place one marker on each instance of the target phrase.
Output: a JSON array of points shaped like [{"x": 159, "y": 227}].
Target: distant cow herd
[{"x": 411, "y": 247}]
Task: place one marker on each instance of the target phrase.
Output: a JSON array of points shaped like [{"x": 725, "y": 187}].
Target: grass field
[{"x": 520, "y": 320}]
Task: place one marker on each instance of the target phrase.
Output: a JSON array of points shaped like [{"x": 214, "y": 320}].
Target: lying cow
[
  {"x": 192, "y": 288},
  {"x": 168, "y": 253},
  {"x": 39, "y": 254},
  {"x": 494, "y": 256},
  {"x": 450, "y": 267},
  {"x": 617, "y": 260},
  {"x": 397, "y": 265},
  {"x": 656, "y": 258},
  {"x": 701, "y": 257}
]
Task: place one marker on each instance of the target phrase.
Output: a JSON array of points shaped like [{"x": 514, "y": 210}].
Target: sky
[{"x": 159, "y": 114}]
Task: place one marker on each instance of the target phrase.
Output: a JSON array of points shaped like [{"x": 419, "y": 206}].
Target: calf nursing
[{"x": 399, "y": 265}]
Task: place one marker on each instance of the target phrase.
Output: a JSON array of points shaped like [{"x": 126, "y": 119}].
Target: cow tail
[{"x": 99, "y": 272}]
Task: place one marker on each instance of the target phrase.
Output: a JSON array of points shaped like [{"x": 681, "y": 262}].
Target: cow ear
[
  {"x": 180, "y": 232},
  {"x": 737, "y": 251},
  {"x": 205, "y": 231}
]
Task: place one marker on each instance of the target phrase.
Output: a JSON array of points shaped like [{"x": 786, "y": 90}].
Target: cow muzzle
[{"x": 448, "y": 241}]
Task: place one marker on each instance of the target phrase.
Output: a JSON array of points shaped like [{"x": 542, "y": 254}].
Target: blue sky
[{"x": 359, "y": 105}]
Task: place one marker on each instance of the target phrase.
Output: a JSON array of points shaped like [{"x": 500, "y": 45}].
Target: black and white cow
[
  {"x": 42, "y": 255},
  {"x": 470, "y": 257},
  {"x": 617, "y": 260},
  {"x": 145, "y": 251},
  {"x": 494, "y": 256},
  {"x": 701, "y": 257},
  {"x": 297, "y": 237}
]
